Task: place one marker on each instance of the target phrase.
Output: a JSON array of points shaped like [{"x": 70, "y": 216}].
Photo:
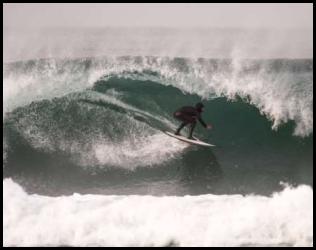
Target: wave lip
[{"x": 285, "y": 218}]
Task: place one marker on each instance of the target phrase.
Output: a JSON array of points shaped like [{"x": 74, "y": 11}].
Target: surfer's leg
[
  {"x": 180, "y": 127},
  {"x": 191, "y": 129}
]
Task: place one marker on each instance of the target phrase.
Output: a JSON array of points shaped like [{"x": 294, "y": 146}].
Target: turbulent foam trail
[
  {"x": 143, "y": 151},
  {"x": 91, "y": 134},
  {"x": 284, "y": 219}
]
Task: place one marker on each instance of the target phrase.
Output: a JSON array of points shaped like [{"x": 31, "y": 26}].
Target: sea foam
[{"x": 284, "y": 219}]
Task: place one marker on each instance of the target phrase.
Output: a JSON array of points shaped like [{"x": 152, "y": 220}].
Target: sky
[{"x": 236, "y": 15}]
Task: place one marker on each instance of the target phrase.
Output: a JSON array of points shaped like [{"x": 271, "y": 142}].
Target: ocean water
[{"x": 86, "y": 162}]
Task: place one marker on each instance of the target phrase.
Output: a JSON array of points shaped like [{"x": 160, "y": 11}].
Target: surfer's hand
[{"x": 209, "y": 126}]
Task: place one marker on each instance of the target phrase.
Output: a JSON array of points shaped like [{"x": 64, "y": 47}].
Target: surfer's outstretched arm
[
  {"x": 208, "y": 126},
  {"x": 202, "y": 122}
]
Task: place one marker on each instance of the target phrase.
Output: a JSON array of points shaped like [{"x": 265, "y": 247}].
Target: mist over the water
[
  {"x": 173, "y": 42},
  {"x": 184, "y": 30}
]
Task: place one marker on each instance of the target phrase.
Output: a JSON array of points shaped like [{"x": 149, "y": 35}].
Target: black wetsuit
[{"x": 188, "y": 115}]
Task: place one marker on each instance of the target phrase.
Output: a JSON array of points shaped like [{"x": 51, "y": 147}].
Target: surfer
[{"x": 189, "y": 115}]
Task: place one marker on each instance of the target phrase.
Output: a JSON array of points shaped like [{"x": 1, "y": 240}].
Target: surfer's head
[{"x": 199, "y": 106}]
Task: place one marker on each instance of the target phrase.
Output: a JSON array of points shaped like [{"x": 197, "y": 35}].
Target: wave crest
[{"x": 280, "y": 89}]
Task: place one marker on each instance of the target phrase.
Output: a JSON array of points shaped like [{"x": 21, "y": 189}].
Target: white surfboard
[{"x": 196, "y": 141}]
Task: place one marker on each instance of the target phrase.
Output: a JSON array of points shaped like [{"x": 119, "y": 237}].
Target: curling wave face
[{"x": 280, "y": 89}]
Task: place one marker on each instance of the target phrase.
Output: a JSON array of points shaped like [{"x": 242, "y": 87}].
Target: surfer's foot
[
  {"x": 177, "y": 133},
  {"x": 191, "y": 138}
]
